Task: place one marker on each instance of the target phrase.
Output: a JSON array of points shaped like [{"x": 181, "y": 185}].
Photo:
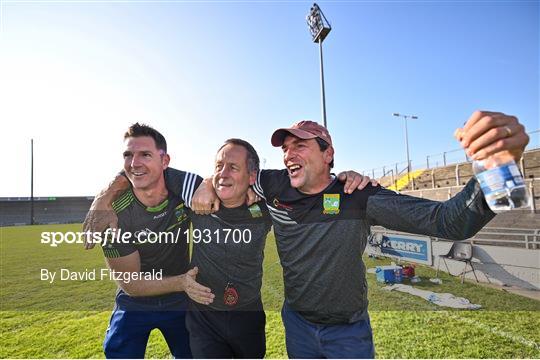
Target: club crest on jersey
[
  {"x": 331, "y": 204},
  {"x": 180, "y": 213},
  {"x": 255, "y": 211}
]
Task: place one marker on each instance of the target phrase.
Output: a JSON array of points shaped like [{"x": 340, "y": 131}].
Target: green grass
[{"x": 68, "y": 319}]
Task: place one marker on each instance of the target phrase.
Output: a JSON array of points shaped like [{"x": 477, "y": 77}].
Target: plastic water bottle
[{"x": 502, "y": 183}]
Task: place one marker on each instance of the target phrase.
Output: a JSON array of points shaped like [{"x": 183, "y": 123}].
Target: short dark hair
[
  {"x": 138, "y": 130},
  {"x": 323, "y": 145},
  {"x": 252, "y": 157}
]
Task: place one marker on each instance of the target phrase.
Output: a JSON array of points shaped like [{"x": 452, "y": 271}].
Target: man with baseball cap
[
  {"x": 304, "y": 129},
  {"x": 322, "y": 231}
]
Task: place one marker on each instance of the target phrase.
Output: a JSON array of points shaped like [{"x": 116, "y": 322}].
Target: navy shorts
[
  {"x": 227, "y": 334},
  {"x": 307, "y": 340},
  {"x": 133, "y": 319}
]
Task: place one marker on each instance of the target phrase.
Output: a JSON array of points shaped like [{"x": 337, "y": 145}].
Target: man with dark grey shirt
[
  {"x": 228, "y": 251},
  {"x": 321, "y": 231},
  {"x": 152, "y": 302}
]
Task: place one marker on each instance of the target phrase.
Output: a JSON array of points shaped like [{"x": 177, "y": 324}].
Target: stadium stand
[
  {"x": 456, "y": 175},
  {"x": 444, "y": 182},
  {"x": 47, "y": 210}
]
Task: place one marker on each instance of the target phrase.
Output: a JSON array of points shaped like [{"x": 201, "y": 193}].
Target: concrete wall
[{"x": 498, "y": 264}]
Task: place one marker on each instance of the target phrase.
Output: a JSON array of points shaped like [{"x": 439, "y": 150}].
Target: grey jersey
[
  {"x": 228, "y": 248},
  {"x": 168, "y": 254},
  {"x": 321, "y": 237},
  {"x": 221, "y": 248},
  {"x": 142, "y": 224}
]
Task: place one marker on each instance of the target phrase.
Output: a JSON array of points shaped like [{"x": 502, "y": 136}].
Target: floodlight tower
[
  {"x": 319, "y": 28},
  {"x": 414, "y": 117}
]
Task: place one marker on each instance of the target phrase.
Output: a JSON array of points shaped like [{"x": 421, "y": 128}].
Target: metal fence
[
  {"x": 495, "y": 236},
  {"x": 527, "y": 238},
  {"x": 442, "y": 159}
]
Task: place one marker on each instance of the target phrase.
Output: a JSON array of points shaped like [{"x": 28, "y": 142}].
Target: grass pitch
[{"x": 67, "y": 319}]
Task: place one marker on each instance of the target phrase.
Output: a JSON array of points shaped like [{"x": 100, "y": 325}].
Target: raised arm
[
  {"x": 101, "y": 215},
  {"x": 205, "y": 200},
  {"x": 458, "y": 218},
  {"x": 484, "y": 134}
]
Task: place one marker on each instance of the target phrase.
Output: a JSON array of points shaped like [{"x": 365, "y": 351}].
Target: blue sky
[{"x": 74, "y": 75}]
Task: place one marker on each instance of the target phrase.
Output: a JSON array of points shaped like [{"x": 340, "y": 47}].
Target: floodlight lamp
[{"x": 319, "y": 27}]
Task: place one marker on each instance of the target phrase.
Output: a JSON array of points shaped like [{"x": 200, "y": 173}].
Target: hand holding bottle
[
  {"x": 488, "y": 133},
  {"x": 496, "y": 141}
]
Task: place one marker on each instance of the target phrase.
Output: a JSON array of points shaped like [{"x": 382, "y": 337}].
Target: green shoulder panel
[{"x": 123, "y": 201}]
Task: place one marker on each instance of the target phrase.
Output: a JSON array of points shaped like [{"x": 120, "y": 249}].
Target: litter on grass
[{"x": 441, "y": 299}]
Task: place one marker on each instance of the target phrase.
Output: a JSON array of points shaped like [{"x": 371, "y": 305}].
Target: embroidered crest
[
  {"x": 331, "y": 204},
  {"x": 180, "y": 213},
  {"x": 255, "y": 211}
]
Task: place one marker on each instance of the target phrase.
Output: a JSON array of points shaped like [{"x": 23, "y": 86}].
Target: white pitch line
[{"x": 504, "y": 334}]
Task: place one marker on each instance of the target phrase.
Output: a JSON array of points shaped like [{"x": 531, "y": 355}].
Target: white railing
[
  {"x": 529, "y": 237},
  {"x": 443, "y": 159},
  {"x": 524, "y": 238}
]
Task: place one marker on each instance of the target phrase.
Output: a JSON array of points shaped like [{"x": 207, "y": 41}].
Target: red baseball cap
[{"x": 304, "y": 129}]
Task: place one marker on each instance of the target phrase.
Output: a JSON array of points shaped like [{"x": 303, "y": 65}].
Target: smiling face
[
  {"x": 144, "y": 163},
  {"x": 232, "y": 176},
  {"x": 308, "y": 166}
]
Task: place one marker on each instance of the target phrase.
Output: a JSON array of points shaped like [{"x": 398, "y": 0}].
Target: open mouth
[
  {"x": 293, "y": 169},
  {"x": 138, "y": 173}
]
